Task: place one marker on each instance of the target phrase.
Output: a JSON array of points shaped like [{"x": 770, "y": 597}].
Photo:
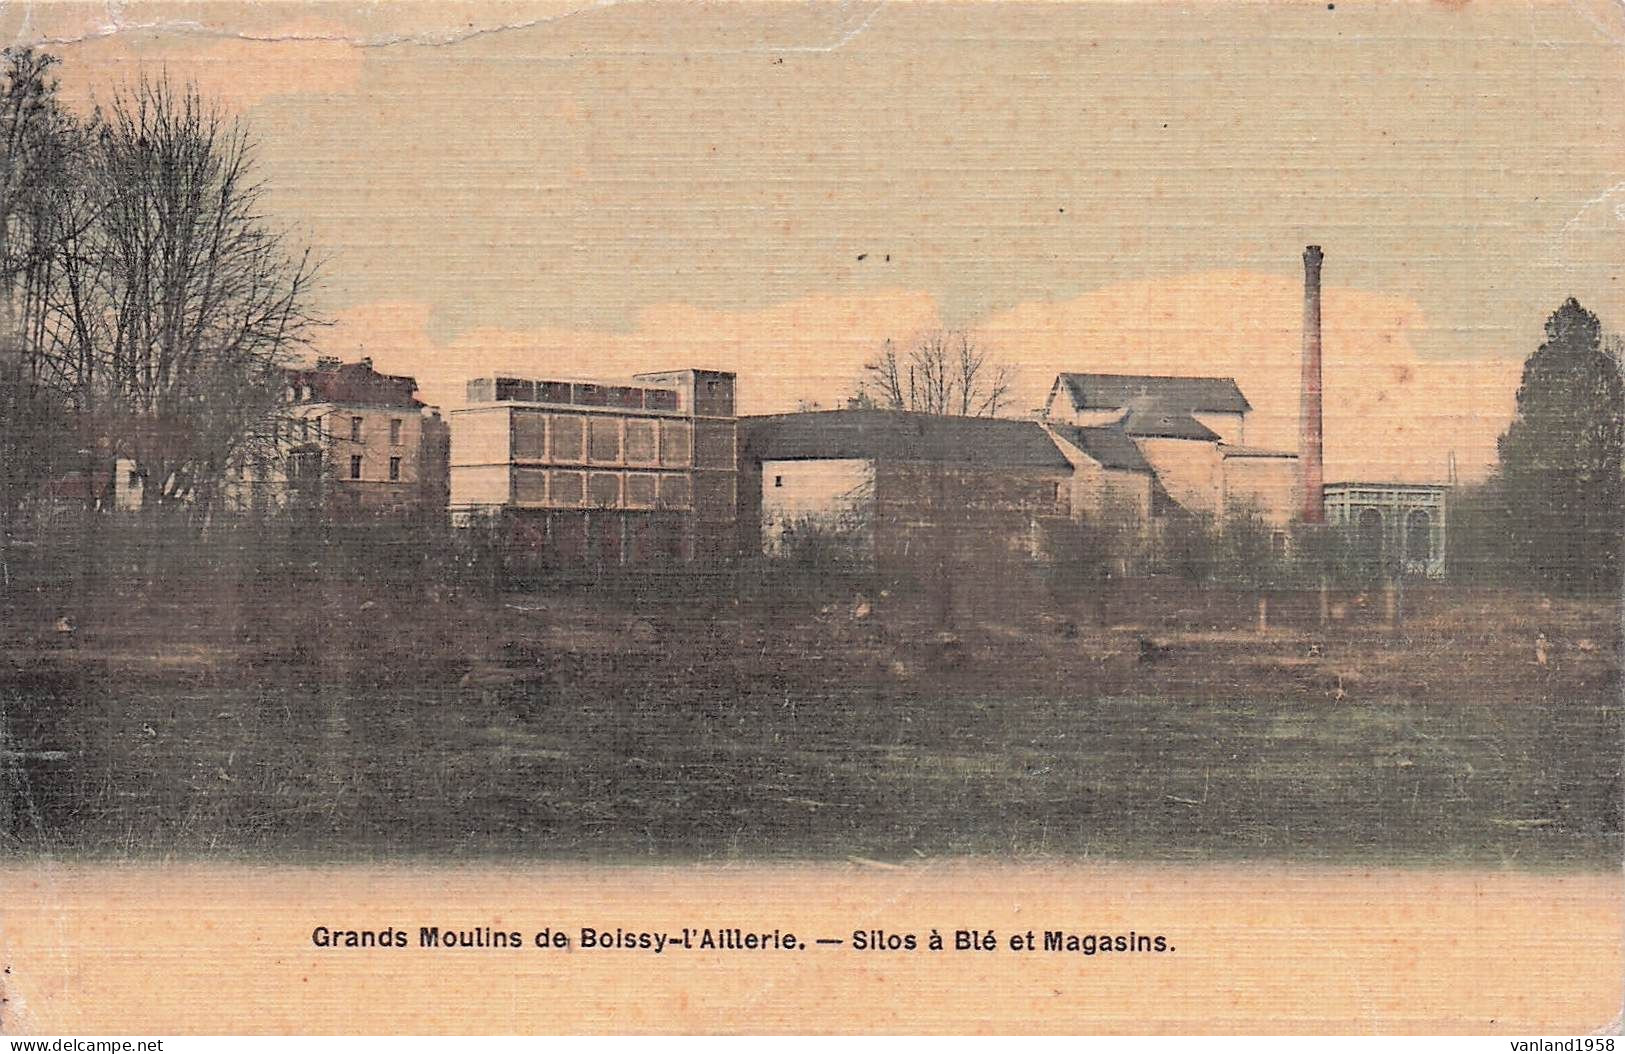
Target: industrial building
[
  {"x": 658, "y": 467},
  {"x": 348, "y": 445},
  {"x": 1189, "y": 432},
  {"x": 604, "y": 472},
  {"x": 901, "y": 486},
  {"x": 1143, "y": 446}
]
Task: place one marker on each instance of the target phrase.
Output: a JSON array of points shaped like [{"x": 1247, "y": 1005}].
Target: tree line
[{"x": 147, "y": 302}]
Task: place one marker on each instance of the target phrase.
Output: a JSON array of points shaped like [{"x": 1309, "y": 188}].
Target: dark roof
[
  {"x": 1348, "y": 484},
  {"x": 1229, "y": 450},
  {"x": 897, "y": 435},
  {"x": 1152, "y": 420},
  {"x": 351, "y": 384},
  {"x": 1108, "y": 391},
  {"x": 1109, "y": 446}
]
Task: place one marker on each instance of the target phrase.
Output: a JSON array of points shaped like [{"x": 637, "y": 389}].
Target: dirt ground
[{"x": 350, "y": 719}]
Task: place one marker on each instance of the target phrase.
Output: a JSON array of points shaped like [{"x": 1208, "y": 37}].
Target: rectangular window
[
  {"x": 530, "y": 486},
  {"x": 395, "y": 431},
  {"x": 529, "y": 435},
  {"x": 674, "y": 492},
  {"x": 604, "y": 490},
  {"x": 640, "y": 442},
  {"x": 640, "y": 490},
  {"x": 675, "y": 445},
  {"x": 566, "y": 437},
  {"x": 355, "y": 465},
  {"x": 394, "y": 470},
  {"x": 605, "y": 439},
  {"x": 304, "y": 429},
  {"x": 355, "y": 429},
  {"x": 778, "y": 481},
  {"x": 566, "y": 488}
]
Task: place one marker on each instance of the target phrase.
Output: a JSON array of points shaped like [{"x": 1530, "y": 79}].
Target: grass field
[{"x": 334, "y": 725}]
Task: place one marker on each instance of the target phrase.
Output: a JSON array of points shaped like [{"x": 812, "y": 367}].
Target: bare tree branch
[{"x": 942, "y": 373}]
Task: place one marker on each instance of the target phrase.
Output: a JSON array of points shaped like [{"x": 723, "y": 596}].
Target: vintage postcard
[{"x": 548, "y": 517}]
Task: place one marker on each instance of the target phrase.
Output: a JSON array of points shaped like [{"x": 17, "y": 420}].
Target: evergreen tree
[{"x": 1559, "y": 477}]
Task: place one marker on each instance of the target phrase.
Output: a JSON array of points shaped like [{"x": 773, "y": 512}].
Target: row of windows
[
  {"x": 299, "y": 468},
  {"x": 357, "y": 423},
  {"x": 539, "y": 436},
  {"x": 307, "y": 429},
  {"x": 605, "y": 490},
  {"x": 357, "y": 463}
]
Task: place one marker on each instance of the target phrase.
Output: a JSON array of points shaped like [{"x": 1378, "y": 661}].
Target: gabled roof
[
  {"x": 1109, "y": 391},
  {"x": 1109, "y": 446},
  {"x": 898, "y": 435}
]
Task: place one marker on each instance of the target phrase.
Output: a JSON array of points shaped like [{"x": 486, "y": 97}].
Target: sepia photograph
[{"x": 541, "y": 517}]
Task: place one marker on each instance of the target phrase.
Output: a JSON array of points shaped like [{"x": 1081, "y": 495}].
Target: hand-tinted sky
[{"x": 776, "y": 188}]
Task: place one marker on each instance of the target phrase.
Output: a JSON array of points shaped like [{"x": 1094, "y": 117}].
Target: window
[
  {"x": 135, "y": 478},
  {"x": 674, "y": 443},
  {"x": 604, "y": 489},
  {"x": 529, "y": 435},
  {"x": 394, "y": 470},
  {"x": 640, "y": 442},
  {"x": 640, "y": 490},
  {"x": 304, "y": 429},
  {"x": 395, "y": 432},
  {"x": 604, "y": 439},
  {"x": 355, "y": 429},
  {"x": 566, "y": 487},
  {"x": 566, "y": 437},
  {"x": 355, "y": 465},
  {"x": 530, "y": 486},
  {"x": 778, "y": 481}
]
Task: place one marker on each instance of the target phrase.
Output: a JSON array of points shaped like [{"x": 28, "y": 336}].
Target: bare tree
[
  {"x": 178, "y": 303},
  {"x": 40, "y": 147},
  {"x": 944, "y": 372}
]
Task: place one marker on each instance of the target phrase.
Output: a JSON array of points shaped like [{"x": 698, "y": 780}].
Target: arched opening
[
  {"x": 1370, "y": 537},
  {"x": 1419, "y": 537}
]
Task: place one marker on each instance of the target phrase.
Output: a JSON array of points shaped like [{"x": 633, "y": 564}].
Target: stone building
[
  {"x": 349, "y": 446},
  {"x": 598, "y": 471},
  {"x": 1189, "y": 432},
  {"x": 898, "y": 486}
]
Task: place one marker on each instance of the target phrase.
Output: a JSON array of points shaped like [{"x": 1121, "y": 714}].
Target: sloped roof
[
  {"x": 1149, "y": 419},
  {"x": 1229, "y": 450},
  {"x": 1108, "y": 391},
  {"x": 898, "y": 435},
  {"x": 1109, "y": 446},
  {"x": 352, "y": 384}
]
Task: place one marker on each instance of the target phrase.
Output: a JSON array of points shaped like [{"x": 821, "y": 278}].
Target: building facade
[
  {"x": 1393, "y": 526},
  {"x": 349, "y": 446},
  {"x": 1191, "y": 433},
  {"x": 897, "y": 487},
  {"x": 601, "y": 472}
]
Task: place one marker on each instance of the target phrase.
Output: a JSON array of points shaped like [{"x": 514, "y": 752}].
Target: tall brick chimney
[{"x": 1309, "y": 448}]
